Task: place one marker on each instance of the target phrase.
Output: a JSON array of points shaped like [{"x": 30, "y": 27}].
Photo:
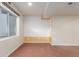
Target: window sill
[{"x": 6, "y": 38}]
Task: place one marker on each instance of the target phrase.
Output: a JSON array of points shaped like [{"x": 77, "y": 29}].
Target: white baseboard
[
  {"x": 14, "y": 49},
  {"x": 65, "y": 44}
]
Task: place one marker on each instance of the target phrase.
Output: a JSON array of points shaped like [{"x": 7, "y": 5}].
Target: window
[
  {"x": 12, "y": 25},
  {"x": 7, "y": 23}
]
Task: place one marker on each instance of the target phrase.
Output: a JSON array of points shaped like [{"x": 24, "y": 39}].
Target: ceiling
[{"x": 54, "y": 8}]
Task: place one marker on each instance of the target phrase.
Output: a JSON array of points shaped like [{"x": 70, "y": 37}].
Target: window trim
[
  {"x": 17, "y": 24},
  {"x": 6, "y": 38}
]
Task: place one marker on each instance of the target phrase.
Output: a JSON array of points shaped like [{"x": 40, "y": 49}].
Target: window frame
[{"x": 17, "y": 23}]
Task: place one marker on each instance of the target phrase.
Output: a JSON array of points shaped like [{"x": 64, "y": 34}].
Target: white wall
[
  {"x": 34, "y": 26},
  {"x": 65, "y": 30},
  {"x": 8, "y": 45}
]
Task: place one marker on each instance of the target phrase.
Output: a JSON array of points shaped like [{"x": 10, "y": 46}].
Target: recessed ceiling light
[{"x": 29, "y": 3}]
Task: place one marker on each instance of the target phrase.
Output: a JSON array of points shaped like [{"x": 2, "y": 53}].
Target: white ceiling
[{"x": 54, "y": 8}]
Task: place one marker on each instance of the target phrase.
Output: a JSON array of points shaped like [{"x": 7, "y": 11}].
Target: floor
[{"x": 45, "y": 50}]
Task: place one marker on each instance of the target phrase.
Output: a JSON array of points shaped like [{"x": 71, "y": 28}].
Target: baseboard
[
  {"x": 65, "y": 44},
  {"x": 37, "y": 39},
  {"x": 15, "y": 49}
]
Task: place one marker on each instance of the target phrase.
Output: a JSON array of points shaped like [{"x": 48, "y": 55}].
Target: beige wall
[{"x": 65, "y": 30}]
